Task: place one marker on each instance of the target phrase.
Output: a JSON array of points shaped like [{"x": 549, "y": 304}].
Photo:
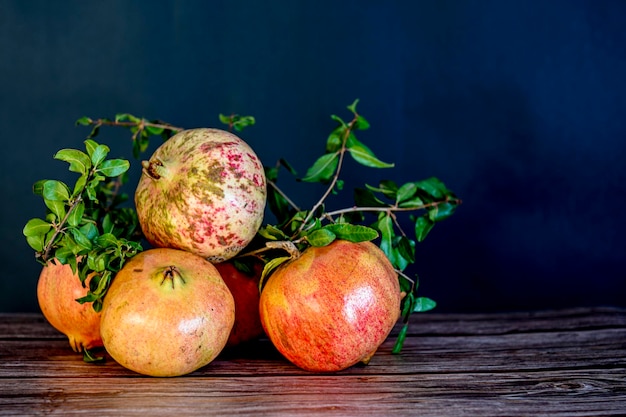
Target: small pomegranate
[
  {"x": 58, "y": 289},
  {"x": 203, "y": 191},
  {"x": 332, "y": 307},
  {"x": 245, "y": 290},
  {"x": 167, "y": 313}
]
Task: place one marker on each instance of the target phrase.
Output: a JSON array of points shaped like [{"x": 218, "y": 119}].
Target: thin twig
[
  {"x": 279, "y": 191},
  {"x": 333, "y": 182}
]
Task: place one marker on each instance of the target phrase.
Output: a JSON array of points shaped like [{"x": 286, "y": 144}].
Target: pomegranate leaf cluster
[
  {"x": 425, "y": 202},
  {"x": 85, "y": 225}
]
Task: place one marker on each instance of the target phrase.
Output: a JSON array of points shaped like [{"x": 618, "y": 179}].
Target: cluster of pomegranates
[{"x": 174, "y": 307}]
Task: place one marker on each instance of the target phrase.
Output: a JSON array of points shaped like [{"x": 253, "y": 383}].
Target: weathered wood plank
[
  {"x": 560, "y": 363},
  {"x": 33, "y": 325},
  {"x": 511, "y": 352},
  {"x": 568, "y": 393}
]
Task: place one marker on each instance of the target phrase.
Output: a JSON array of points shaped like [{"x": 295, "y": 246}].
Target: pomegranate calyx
[
  {"x": 171, "y": 273},
  {"x": 153, "y": 168}
]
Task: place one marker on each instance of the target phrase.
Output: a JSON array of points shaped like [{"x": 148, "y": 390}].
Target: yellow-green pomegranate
[{"x": 203, "y": 191}]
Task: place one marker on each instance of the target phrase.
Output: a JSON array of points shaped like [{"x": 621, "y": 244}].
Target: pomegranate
[
  {"x": 204, "y": 191},
  {"x": 58, "y": 289},
  {"x": 245, "y": 290},
  {"x": 167, "y": 313},
  {"x": 332, "y": 307}
]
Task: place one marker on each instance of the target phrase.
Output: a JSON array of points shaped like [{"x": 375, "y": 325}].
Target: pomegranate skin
[
  {"x": 58, "y": 288},
  {"x": 245, "y": 291},
  {"x": 332, "y": 307},
  {"x": 203, "y": 191},
  {"x": 167, "y": 313}
]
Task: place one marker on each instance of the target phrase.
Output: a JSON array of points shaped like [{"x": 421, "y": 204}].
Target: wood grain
[{"x": 556, "y": 363}]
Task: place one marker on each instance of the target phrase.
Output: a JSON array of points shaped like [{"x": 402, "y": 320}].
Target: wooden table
[{"x": 556, "y": 363}]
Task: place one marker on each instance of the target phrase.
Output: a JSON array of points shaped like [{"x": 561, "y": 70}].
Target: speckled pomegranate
[
  {"x": 203, "y": 191},
  {"x": 332, "y": 307}
]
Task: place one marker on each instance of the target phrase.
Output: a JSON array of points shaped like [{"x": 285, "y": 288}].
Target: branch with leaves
[
  {"x": 428, "y": 201},
  {"x": 86, "y": 228}
]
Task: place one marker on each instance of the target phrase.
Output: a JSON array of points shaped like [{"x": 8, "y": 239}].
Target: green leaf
[
  {"x": 99, "y": 154},
  {"x": 79, "y": 185},
  {"x": 241, "y": 122},
  {"x": 433, "y": 187},
  {"x": 352, "y": 107},
  {"x": 107, "y": 223},
  {"x": 94, "y": 132},
  {"x": 64, "y": 255},
  {"x": 90, "y": 146},
  {"x": 352, "y": 232},
  {"x": 89, "y": 230},
  {"x": 389, "y": 188},
  {"x": 35, "y": 242},
  {"x": 36, "y": 227},
  {"x": 397, "y": 348},
  {"x": 441, "y": 211},
  {"x": 88, "y": 357},
  {"x": 106, "y": 240},
  {"x": 406, "y": 249},
  {"x": 76, "y": 215},
  {"x": 338, "y": 120},
  {"x": 278, "y": 205},
  {"x": 83, "y": 121},
  {"x": 364, "y": 156},
  {"x": 154, "y": 130},
  {"x": 366, "y": 198},
  {"x": 423, "y": 225},
  {"x": 80, "y": 239},
  {"x": 423, "y": 304},
  {"x": 335, "y": 139},
  {"x": 361, "y": 123},
  {"x": 385, "y": 226},
  {"x": 114, "y": 167},
  {"x": 56, "y": 207},
  {"x": 79, "y": 161},
  {"x": 323, "y": 169},
  {"x": 38, "y": 187},
  {"x": 287, "y": 166},
  {"x": 122, "y": 117},
  {"x": 54, "y": 190},
  {"x": 321, "y": 237},
  {"x": 405, "y": 192},
  {"x": 271, "y": 266},
  {"x": 272, "y": 233},
  {"x": 224, "y": 119},
  {"x": 415, "y": 202}
]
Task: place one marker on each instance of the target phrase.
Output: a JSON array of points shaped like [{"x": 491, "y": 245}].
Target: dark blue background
[{"x": 518, "y": 106}]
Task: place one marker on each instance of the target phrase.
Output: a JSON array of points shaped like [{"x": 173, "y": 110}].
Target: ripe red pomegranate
[
  {"x": 332, "y": 307},
  {"x": 245, "y": 290},
  {"x": 203, "y": 191},
  {"x": 167, "y": 313},
  {"x": 58, "y": 289}
]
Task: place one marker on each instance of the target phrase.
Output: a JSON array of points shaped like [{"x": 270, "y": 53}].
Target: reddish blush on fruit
[
  {"x": 168, "y": 312},
  {"x": 58, "y": 288},
  {"x": 203, "y": 191},
  {"x": 245, "y": 290},
  {"x": 332, "y": 307}
]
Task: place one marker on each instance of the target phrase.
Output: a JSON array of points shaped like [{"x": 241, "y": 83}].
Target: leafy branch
[
  {"x": 84, "y": 225},
  {"x": 87, "y": 223},
  {"x": 141, "y": 129},
  {"x": 316, "y": 227}
]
